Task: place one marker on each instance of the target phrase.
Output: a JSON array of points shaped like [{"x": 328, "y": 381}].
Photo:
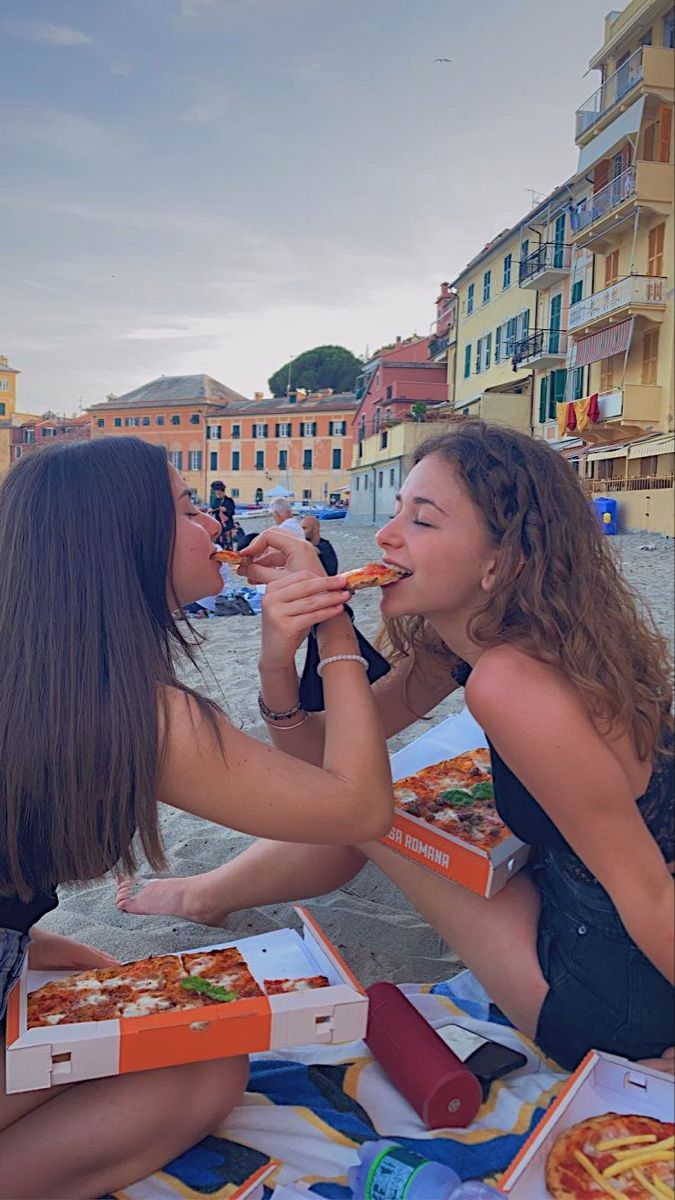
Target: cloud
[
  {"x": 55, "y": 132},
  {"x": 51, "y": 35},
  {"x": 192, "y": 8},
  {"x": 209, "y": 103}
]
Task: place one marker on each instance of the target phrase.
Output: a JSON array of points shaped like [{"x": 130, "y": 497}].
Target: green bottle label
[{"x": 391, "y": 1174}]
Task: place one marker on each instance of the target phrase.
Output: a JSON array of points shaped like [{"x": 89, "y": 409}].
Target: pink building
[
  {"x": 34, "y": 432},
  {"x": 393, "y": 380}
]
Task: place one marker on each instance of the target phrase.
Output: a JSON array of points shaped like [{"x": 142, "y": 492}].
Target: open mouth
[{"x": 397, "y": 571}]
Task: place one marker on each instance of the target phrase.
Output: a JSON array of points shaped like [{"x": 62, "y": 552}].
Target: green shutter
[
  {"x": 543, "y": 388},
  {"x": 467, "y": 360},
  {"x": 577, "y": 291}
]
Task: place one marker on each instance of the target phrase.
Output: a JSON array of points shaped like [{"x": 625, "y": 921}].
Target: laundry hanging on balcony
[{"x": 597, "y": 346}]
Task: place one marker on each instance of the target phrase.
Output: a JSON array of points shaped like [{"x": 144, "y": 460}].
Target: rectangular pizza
[{"x": 457, "y": 797}]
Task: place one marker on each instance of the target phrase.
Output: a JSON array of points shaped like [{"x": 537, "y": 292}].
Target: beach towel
[{"x": 310, "y": 1109}]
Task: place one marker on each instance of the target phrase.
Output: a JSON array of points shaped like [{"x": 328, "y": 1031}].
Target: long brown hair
[
  {"x": 558, "y": 594},
  {"x": 86, "y": 641}
]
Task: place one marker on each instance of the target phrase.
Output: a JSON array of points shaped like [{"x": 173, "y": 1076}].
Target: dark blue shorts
[
  {"x": 604, "y": 993},
  {"x": 13, "y": 950}
]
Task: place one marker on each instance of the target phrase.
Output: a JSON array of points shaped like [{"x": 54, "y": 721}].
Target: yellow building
[
  {"x": 9, "y": 417},
  {"x": 621, "y": 318},
  {"x": 381, "y": 463}
]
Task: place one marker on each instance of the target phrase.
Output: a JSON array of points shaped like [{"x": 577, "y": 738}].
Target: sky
[{"x": 215, "y": 186}]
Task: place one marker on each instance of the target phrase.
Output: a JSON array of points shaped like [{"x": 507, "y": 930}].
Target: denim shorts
[
  {"x": 13, "y": 950},
  {"x": 604, "y": 994}
]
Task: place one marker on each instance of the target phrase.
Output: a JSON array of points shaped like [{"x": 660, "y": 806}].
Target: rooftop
[
  {"x": 174, "y": 389},
  {"x": 282, "y": 406}
]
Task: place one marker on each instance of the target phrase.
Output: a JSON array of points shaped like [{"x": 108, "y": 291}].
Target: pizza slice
[
  {"x": 277, "y": 987},
  {"x": 620, "y": 1155},
  {"x": 233, "y": 558},
  {"x": 225, "y": 972},
  {"x": 373, "y": 575}
]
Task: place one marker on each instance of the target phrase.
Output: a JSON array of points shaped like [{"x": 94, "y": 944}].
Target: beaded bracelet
[
  {"x": 268, "y": 714},
  {"x": 341, "y": 658}
]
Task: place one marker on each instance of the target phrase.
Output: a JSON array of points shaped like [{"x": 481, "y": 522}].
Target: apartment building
[
  {"x": 172, "y": 412},
  {"x": 381, "y": 463},
  {"x": 300, "y": 442},
  {"x": 395, "y": 379}
]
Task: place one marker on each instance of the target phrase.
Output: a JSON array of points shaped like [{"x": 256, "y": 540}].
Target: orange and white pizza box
[
  {"x": 334, "y": 1010},
  {"x": 482, "y": 871},
  {"x": 602, "y": 1083}
]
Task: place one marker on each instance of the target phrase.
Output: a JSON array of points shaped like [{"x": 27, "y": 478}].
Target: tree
[
  {"x": 419, "y": 410},
  {"x": 323, "y": 367}
]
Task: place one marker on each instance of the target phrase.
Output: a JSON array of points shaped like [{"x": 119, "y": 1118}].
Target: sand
[{"x": 381, "y": 935}]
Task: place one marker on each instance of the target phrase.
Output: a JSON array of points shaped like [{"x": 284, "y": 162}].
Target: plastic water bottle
[{"x": 387, "y": 1171}]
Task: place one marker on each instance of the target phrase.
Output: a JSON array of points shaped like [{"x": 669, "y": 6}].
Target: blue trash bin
[{"x": 607, "y": 514}]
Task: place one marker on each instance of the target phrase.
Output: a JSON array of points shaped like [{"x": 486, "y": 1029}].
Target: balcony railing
[
  {"x": 600, "y": 203},
  {"x": 641, "y": 291},
  {"x": 549, "y": 256},
  {"x": 543, "y": 343},
  {"x": 641, "y": 483},
  {"x": 610, "y": 92},
  {"x": 438, "y": 344}
]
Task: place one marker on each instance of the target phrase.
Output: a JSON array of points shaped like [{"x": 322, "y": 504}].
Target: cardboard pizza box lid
[{"x": 601, "y": 1083}]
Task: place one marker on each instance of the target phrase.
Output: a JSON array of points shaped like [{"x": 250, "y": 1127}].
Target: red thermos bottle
[{"x": 443, "y": 1092}]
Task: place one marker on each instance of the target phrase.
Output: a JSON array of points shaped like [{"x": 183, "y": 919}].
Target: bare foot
[{"x": 187, "y": 897}]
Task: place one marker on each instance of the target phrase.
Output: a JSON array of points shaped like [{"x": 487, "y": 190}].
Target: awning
[
  {"x": 655, "y": 446},
  {"x": 614, "y": 340},
  {"x": 597, "y": 453},
  {"x": 602, "y": 145}
]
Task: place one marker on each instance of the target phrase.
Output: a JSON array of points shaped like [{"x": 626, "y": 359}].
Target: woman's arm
[{"x": 552, "y": 746}]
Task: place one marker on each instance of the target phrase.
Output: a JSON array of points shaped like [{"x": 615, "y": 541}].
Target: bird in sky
[{"x": 447, "y": 60}]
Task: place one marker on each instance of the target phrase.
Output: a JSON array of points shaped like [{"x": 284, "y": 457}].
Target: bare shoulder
[
  {"x": 506, "y": 677},
  {"x": 182, "y": 720}
]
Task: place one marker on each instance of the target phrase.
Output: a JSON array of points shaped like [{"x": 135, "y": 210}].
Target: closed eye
[{"x": 424, "y": 524}]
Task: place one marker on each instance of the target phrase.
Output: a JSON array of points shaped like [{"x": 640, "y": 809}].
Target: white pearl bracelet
[{"x": 341, "y": 658}]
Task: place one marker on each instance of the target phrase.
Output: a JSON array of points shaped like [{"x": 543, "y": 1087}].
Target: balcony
[
  {"x": 639, "y": 295},
  {"x": 648, "y": 70},
  {"x": 544, "y": 349},
  {"x": 647, "y": 184},
  {"x": 438, "y": 347},
  {"x": 632, "y": 409},
  {"x": 547, "y": 265}
]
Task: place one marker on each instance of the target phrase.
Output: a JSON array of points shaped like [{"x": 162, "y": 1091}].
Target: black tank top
[{"x": 20, "y": 915}]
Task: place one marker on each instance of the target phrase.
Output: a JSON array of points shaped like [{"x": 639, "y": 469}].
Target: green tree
[
  {"x": 323, "y": 367},
  {"x": 419, "y": 410}
]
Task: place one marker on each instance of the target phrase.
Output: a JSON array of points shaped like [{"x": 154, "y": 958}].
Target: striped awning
[
  {"x": 614, "y": 340},
  {"x": 597, "y": 453},
  {"x": 653, "y": 447}
]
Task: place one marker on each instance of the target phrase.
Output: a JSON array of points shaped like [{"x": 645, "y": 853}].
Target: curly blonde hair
[{"x": 558, "y": 594}]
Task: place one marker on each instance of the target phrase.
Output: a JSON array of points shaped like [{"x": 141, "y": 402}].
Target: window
[
  {"x": 100, "y": 423},
  {"x": 213, "y": 433},
  {"x": 487, "y": 284},
  {"x": 470, "y": 298},
  {"x": 4, "y": 385},
  {"x": 506, "y": 271},
  {"x": 260, "y": 431},
  {"x": 611, "y": 268},
  {"x": 49, "y": 432},
  {"x": 392, "y": 477},
  {"x": 577, "y": 291},
  {"x": 479, "y": 356},
  {"x": 307, "y": 493},
  {"x": 650, "y": 356},
  {"x": 510, "y": 337},
  {"x": 194, "y": 460},
  {"x": 283, "y": 460},
  {"x": 487, "y": 350},
  {"x": 176, "y": 459},
  {"x": 117, "y": 422},
  {"x": 365, "y": 483},
  {"x": 607, "y": 373},
  {"x": 236, "y": 431},
  {"x": 358, "y": 483},
  {"x": 339, "y": 428},
  {"x": 236, "y": 459},
  {"x": 30, "y": 434},
  {"x": 524, "y": 249},
  {"x": 213, "y": 460},
  {"x": 498, "y": 344},
  {"x": 132, "y": 422},
  {"x": 283, "y": 429},
  {"x": 556, "y": 391},
  {"x": 308, "y": 429},
  {"x": 175, "y": 419},
  {"x": 145, "y": 420},
  {"x": 260, "y": 460},
  {"x": 543, "y": 399},
  {"x": 655, "y": 250},
  {"x": 307, "y": 460},
  {"x": 467, "y": 360},
  {"x": 577, "y": 383},
  {"x": 194, "y": 419},
  {"x": 389, "y": 393},
  {"x": 160, "y": 420},
  {"x": 235, "y": 493},
  {"x": 523, "y": 322},
  {"x": 337, "y": 459},
  {"x": 380, "y": 478},
  {"x": 384, "y": 440}
]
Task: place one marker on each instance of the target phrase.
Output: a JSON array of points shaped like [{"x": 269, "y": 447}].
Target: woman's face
[
  {"x": 438, "y": 535},
  {"x": 195, "y": 572}
]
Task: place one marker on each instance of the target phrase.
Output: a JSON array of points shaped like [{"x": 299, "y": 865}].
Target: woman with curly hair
[{"x": 512, "y": 590}]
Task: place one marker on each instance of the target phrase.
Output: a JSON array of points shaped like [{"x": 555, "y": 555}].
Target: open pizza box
[
  {"x": 482, "y": 871},
  {"x": 601, "y": 1083},
  {"x": 52, "y": 1054}
]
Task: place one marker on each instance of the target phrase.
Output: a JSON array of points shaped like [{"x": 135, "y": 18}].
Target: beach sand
[{"x": 372, "y": 923}]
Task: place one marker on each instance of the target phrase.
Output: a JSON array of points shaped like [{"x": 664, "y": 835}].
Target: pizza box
[
  {"x": 56, "y": 1054},
  {"x": 601, "y": 1083},
  {"x": 482, "y": 871}
]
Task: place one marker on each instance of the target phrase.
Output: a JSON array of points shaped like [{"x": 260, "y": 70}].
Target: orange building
[
  {"x": 301, "y": 442},
  {"x": 173, "y": 412}
]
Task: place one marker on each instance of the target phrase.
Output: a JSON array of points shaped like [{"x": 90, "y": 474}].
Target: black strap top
[{"x": 20, "y": 915}]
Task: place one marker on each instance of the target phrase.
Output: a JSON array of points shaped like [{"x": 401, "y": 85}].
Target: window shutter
[
  {"x": 543, "y": 401},
  {"x": 265, "y": 429},
  {"x": 498, "y": 343},
  {"x": 601, "y": 176},
  {"x": 650, "y": 142},
  {"x": 665, "y": 133},
  {"x": 577, "y": 291}
]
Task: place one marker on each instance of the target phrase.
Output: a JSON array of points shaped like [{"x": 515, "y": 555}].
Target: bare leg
[
  {"x": 92, "y": 1138},
  {"x": 265, "y": 873}
]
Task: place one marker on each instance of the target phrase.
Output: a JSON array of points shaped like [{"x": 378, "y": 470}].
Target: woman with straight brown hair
[
  {"x": 512, "y": 590},
  {"x": 96, "y": 730}
]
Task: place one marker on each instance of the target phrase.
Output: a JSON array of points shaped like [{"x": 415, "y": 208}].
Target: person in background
[
  {"x": 222, "y": 508},
  {"x": 282, "y": 514},
  {"x": 327, "y": 555},
  {"x": 239, "y": 536}
]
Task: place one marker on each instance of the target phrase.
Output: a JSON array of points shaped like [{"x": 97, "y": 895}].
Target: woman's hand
[
  {"x": 292, "y": 604},
  {"x": 52, "y": 952},
  {"x": 273, "y": 552}
]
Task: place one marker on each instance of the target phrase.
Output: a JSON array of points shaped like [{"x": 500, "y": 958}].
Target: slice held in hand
[{"x": 374, "y": 575}]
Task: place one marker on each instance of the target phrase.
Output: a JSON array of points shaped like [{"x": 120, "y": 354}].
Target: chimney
[{"x": 258, "y": 396}]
